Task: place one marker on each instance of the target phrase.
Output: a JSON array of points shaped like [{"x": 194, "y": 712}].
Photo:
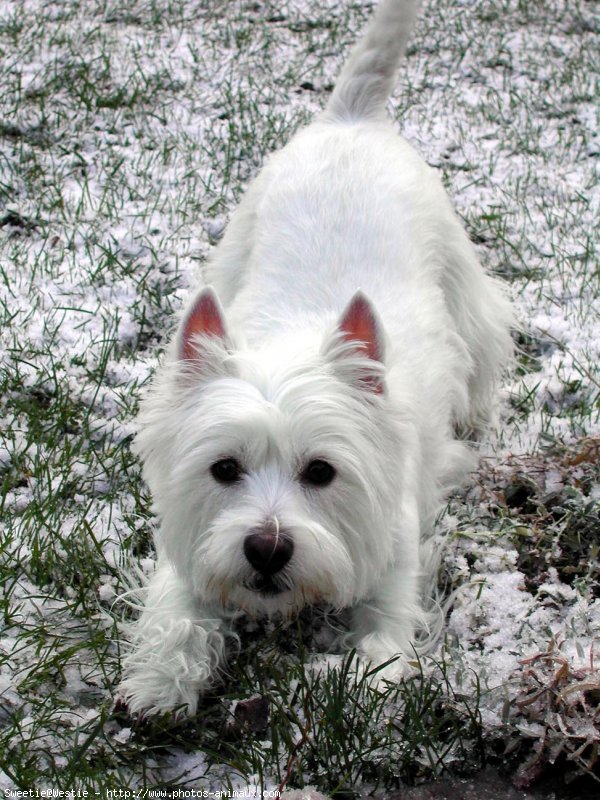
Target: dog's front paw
[
  {"x": 121, "y": 713},
  {"x": 151, "y": 690},
  {"x": 169, "y": 667},
  {"x": 383, "y": 660}
]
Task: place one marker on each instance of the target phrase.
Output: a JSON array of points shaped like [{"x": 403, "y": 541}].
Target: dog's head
[{"x": 274, "y": 471}]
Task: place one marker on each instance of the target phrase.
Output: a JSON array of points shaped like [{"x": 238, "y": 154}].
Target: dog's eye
[
  {"x": 318, "y": 473},
  {"x": 227, "y": 470}
]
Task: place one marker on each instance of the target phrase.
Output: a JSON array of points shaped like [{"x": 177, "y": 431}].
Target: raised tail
[{"x": 367, "y": 78}]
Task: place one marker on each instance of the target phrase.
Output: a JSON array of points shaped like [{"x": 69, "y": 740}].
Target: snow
[{"x": 132, "y": 199}]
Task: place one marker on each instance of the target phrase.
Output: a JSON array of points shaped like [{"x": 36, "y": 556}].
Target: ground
[{"x": 127, "y": 134}]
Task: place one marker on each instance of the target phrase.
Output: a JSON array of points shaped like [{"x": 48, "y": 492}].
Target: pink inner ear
[
  {"x": 359, "y": 324},
  {"x": 204, "y": 318}
]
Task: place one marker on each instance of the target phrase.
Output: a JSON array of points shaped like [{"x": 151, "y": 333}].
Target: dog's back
[
  {"x": 349, "y": 204},
  {"x": 316, "y": 174}
]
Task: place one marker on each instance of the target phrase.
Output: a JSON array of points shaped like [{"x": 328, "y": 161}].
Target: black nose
[{"x": 268, "y": 549}]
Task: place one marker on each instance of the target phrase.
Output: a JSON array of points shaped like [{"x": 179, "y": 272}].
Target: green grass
[{"x": 126, "y": 137}]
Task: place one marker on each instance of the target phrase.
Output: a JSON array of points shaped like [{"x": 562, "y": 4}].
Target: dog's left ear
[{"x": 360, "y": 326}]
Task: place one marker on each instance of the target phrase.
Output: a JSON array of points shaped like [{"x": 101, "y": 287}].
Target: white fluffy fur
[{"x": 347, "y": 204}]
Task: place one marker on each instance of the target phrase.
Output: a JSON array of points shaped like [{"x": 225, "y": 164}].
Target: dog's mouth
[{"x": 265, "y": 586}]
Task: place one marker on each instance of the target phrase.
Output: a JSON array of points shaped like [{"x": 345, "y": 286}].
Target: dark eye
[
  {"x": 227, "y": 470},
  {"x": 318, "y": 473}
]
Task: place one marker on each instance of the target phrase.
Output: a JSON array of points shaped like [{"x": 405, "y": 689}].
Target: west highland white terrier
[{"x": 313, "y": 406}]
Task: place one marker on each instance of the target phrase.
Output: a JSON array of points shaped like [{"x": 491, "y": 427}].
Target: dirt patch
[{"x": 491, "y": 785}]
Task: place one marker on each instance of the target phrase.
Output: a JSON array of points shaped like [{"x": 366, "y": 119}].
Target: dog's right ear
[{"x": 204, "y": 318}]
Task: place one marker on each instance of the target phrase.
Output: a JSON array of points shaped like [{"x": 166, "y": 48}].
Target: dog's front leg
[
  {"x": 175, "y": 649},
  {"x": 385, "y": 623}
]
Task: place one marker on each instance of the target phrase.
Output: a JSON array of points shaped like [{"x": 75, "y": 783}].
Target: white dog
[{"x": 306, "y": 420}]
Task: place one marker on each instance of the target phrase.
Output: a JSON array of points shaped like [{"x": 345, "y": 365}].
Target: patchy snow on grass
[{"x": 127, "y": 135}]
